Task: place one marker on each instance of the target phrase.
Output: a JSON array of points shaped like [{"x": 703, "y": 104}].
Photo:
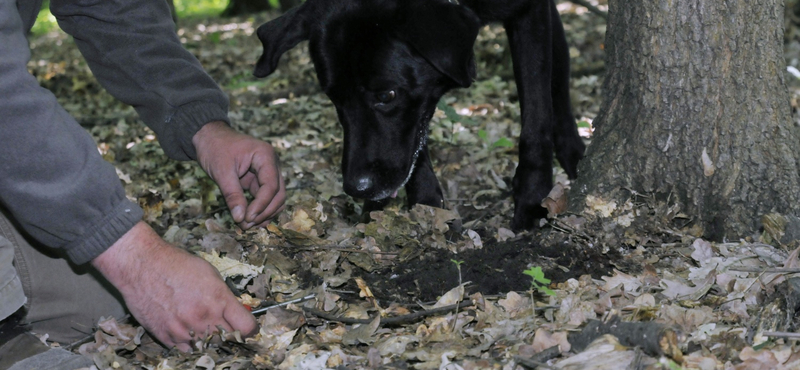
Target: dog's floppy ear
[
  {"x": 278, "y": 36},
  {"x": 443, "y": 33}
]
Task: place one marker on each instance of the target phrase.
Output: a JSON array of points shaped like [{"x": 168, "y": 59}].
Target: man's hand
[
  {"x": 237, "y": 162},
  {"x": 177, "y": 297}
]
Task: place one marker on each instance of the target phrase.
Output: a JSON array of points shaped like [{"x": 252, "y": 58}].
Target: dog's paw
[{"x": 527, "y": 216}]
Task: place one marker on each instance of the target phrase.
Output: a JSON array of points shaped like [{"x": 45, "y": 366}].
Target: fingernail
[{"x": 238, "y": 214}]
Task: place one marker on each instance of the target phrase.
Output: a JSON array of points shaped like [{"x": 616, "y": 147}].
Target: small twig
[
  {"x": 757, "y": 279},
  {"x": 298, "y": 300},
  {"x": 558, "y": 224},
  {"x": 591, "y": 8},
  {"x": 351, "y": 250},
  {"x": 779, "y": 270},
  {"x": 80, "y": 342},
  {"x": 781, "y": 334},
  {"x": 672, "y": 232},
  {"x": 397, "y": 320},
  {"x": 531, "y": 363}
]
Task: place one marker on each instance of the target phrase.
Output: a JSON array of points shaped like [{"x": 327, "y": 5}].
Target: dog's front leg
[
  {"x": 423, "y": 187},
  {"x": 530, "y": 39},
  {"x": 569, "y": 146}
]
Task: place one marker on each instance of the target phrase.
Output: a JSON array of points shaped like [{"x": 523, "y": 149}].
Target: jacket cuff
[
  {"x": 118, "y": 222},
  {"x": 186, "y": 121}
]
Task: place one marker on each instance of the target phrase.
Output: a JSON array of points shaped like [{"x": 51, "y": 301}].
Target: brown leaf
[{"x": 556, "y": 201}]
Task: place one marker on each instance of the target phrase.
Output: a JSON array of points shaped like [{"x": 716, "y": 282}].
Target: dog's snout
[{"x": 364, "y": 184}]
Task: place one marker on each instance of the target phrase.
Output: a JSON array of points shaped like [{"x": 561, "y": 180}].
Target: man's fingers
[
  {"x": 234, "y": 196},
  {"x": 269, "y": 194},
  {"x": 183, "y": 347},
  {"x": 267, "y": 204},
  {"x": 267, "y": 220},
  {"x": 239, "y": 318}
]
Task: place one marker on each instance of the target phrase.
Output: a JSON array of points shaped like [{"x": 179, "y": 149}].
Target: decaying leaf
[
  {"x": 151, "y": 202},
  {"x": 301, "y": 223},
  {"x": 296, "y": 238},
  {"x": 599, "y": 206},
  {"x": 364, "y": 333},
  {"x": 543, "y": 339},
  {"x": 556, "y": 201},
  {"x": 228, "y": 267},
  {"x": 452, "y": 296}
]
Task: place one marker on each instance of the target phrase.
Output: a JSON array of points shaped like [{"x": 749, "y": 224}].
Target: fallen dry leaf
[{"x": 556, "y": 202}]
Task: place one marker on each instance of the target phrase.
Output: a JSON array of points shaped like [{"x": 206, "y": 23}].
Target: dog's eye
[{"x": 385, "y": 96}]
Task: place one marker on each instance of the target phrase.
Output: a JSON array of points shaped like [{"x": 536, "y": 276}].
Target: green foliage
[
  {"x": 197, "y": 8},
  {"x": 672, "y": 365},
  {"x": 452, "y": 115},
  {"x": 214, "y": 37},
  {"x": 244, "y": 79},
  {"x": 538, "y": 281},
  {"x": 458, "y": 263},
  {"x": 45, "y": 21},
  {"x": 503, "y": 142}
]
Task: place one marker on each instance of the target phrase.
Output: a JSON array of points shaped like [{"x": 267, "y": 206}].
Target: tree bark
[{"x": 696, "y": 111}]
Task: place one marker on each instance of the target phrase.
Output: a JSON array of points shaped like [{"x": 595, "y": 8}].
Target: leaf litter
[{"x": 429, "y": 288}]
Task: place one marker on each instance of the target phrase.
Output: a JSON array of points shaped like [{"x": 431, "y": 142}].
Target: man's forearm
[{"x": 132, "y": 49}]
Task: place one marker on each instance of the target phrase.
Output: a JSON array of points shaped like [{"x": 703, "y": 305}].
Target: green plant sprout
[
  {"x": 538, "y": 281},
  {"x": 458, "y": 266}
]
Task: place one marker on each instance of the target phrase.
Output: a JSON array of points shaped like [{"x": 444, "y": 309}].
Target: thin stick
[
  {"x": 766, "y": 269},
  {"x": 531, "y": 364},
  {"x": 781, "y": 334},
  {"x": 351, "y": 250},
  {"x": 298, "y": 300},
  {"x": 389, "y": 320}
]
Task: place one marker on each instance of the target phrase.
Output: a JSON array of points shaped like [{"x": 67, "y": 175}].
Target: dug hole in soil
[{"x": 497, "y": 268}]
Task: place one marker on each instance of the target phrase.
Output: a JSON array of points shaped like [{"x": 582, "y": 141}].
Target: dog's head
[{"x": 384, "y": 64}]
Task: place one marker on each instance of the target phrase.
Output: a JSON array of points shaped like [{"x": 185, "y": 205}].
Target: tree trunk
[{"x": 696, "y": 111}]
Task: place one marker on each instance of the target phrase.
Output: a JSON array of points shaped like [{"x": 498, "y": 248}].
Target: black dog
[{"x": 386, "y": 63}]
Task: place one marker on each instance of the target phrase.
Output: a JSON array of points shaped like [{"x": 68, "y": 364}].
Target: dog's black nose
[{"x": 364, "y": 184}]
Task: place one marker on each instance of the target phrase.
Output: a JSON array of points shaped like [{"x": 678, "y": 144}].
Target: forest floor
[{"x": 631, "y": 285}]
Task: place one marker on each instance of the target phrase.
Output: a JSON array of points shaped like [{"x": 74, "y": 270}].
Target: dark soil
[{"x": 495, "y": 269}]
